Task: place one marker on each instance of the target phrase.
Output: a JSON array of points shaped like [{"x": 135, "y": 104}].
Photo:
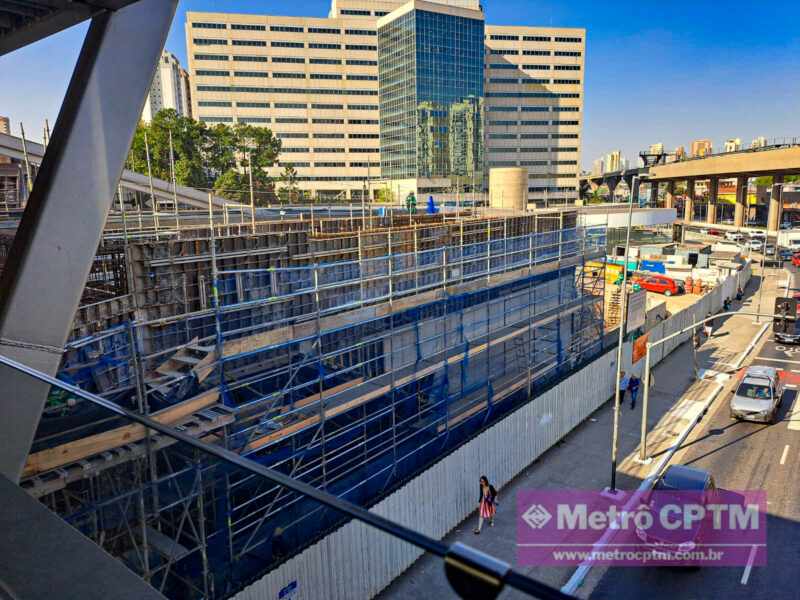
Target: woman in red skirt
[{"x": 487, "y": 503}]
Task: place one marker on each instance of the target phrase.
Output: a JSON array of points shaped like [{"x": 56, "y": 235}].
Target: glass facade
[{"x": 430, "y": 69}]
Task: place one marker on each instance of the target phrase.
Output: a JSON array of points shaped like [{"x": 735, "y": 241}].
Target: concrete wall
[
  {"x": 508, "y": 188},
  {"x": 357, "y": 561},
  {"x": 780, "y": 160}
]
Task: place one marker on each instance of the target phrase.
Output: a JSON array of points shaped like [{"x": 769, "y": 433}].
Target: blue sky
[{"x": 655, "y": 72}]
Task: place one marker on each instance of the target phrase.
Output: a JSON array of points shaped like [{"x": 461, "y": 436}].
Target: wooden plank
[{"x": 51, "y": 458}]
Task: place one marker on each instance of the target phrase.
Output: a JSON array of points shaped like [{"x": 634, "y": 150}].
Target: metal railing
[{"x": 471, "y": 573}]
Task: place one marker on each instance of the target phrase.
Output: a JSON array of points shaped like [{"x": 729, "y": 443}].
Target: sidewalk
[{"x": 582, "y": 459}]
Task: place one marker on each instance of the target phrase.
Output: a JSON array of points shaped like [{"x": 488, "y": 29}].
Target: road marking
[
  {"x": 793, "y": 415},
  {"x": 781, "y": 360},
  {"x": 784, "y": 455},
  {"x": 750, "y": 560}
]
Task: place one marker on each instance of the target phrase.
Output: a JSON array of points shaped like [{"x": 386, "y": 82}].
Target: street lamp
[{"x": 622, "y": 326}]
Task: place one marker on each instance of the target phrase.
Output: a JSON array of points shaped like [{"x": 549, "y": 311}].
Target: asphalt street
[{"x": 740, "y": 456}]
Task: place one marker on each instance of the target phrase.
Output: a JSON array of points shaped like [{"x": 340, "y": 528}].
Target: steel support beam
[
  {"x": 58, "y": 236},
  {"x": 688, "y": 203}
]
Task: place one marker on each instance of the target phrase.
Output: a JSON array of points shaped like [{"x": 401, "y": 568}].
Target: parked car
[
  {"x": 758, "y": 395},
  {"x": 770, "y": 250},
  {"x": 755, "y": 244},
  {"x": 794, "y": 244},
  {"x": 714, "y": 232},
  {"x": 785, "y": 253},
  {"x": 683, "y": 479},
  {"x": 733, "y": 236},
  {"x": 660, "y": 284}
]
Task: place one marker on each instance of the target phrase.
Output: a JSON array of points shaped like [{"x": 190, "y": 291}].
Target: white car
[
  {"x": 758, "y": 395},
  {"x": 755, "y": 244},
  {"x": 733, "y": 236}
]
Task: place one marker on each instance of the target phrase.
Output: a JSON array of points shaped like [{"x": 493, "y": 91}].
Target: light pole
[
  {"x": 646, "y": 397},
  {"x": 622, "y": 325}
]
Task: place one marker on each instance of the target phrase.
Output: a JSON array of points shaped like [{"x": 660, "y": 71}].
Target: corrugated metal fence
[{"x": 357, "y": 561}]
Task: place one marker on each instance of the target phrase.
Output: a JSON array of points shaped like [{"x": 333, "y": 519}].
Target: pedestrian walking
[
  {"x": 739, "y": 293},
  {"x": 487, "y": 503},
  {"x": 708, "y": 327},
  {"x": 633, "y": 388},
  {"x": 696, "y": 338},
  {"x": 624, "y": 382}
]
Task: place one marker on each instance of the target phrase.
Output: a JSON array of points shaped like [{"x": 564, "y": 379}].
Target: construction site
[{"x": 349, "y": 349}]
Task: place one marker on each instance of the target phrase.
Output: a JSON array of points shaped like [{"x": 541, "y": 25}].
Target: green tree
[{"x": 289, "y": 192}]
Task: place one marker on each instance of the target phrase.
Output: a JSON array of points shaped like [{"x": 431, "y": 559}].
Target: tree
[{"x": 289, "y": 191}]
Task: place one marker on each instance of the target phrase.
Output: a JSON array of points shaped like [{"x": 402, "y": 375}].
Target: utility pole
[
  {"x": 252, "y": 195},
  {"x": 29, "y": 179},
  {"x": 622, "y": 325}
]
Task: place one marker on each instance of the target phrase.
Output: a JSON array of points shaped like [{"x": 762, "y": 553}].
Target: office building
[
  {"x": 759, "y": 142},
  {"x": 170, "y": 89},
  {"x": 701, "y": 148},
  {"x": 656, "y": 148},
  {"x": 489, "y": 96},
  {"x": 733, "y": 145}
]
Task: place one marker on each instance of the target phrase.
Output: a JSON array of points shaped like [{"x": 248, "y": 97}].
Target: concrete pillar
[
  {"x": 775, "y": 203},
  {"x": 741, "y": 201},
  {"x": 713, "y": 197},
  {"x": 688, "y": 205},
  {"x": 669, "y": 196},
  {"x": 612, "y": 185},
  {"x": 653, "y": 194},
  {"x": 635, "y": 185}
]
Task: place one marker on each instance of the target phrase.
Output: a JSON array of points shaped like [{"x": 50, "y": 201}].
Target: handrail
[{"x": 467, "y": 569}]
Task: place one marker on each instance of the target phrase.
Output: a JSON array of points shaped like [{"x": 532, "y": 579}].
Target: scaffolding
[{"x": 347, "y": 350}]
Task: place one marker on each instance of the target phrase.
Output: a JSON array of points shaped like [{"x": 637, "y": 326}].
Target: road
[{"x": 740, "y": 455}]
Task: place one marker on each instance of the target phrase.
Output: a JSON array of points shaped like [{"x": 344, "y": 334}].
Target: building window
[
  {"x": 219, "y": 103},
  {"x": 534, "y": 123},
  {"x": 367, "y": 63},
  {"x": 364, "y": 150},
  {"x": 289, "y": 75},
  {"x": 216, "y": 119},
  {"x": 362, "y": 121},
  {"x": 336, "y": 150},
  {"x": 533, "y": 136},
  {"x": 329, "y": 136},
  {"x": 324, "y": 30},
  {"x": 506, "y": 51},
  {"x": 207, "y": 73},
  {"x": 536, "y": 52},
  {"x": 531, "y": 95},
  {"x": 287, "y": 44},
  {"x": 564, "y": 136},
  {"x": 330, "y": 164},
  {"x": 533, "y": 163},
  {"x": 536, "y": 38},
  {"x": 505, "y": 38},
  {"x": 360, "y": 32},
  {"x": 566, "y": 123},
  {"x": 535, "y": 81},
  {"x": 503, "y": 80},
  {"x": 250, "y": 74},
  {"x": 363, "y": 136},
  {"x": 502, "y": 136},
  {"x": 324, "y": 61},
  {"x": 536, "y": 67},
  {"x": 361, "y": 47},
  {"x": 296, "y": 165},
  {"x": 567, "y": 67},
  {"x": 533, "y": 150},
  {"x": 258, "y": 43},
  {"x": 502, "y": 163},
  {"x": 381, "y": 13},
  {"x": 324, "y": 46},
  {"x": 291, "y": 105},
  {"x": 254, "y": 120},
  {"x": 565, "y": 149},
  {"x": 364, "y": 165},
  {"x": 291, "y": 135},
  {"x": 325, "y": 76},
  {"x": 362, "y": 106},
  {"x": 208, "y": 26},
  {"x": 328, "y": 121},
  {"x": 251, "y": 58},
  {"x": 566, "y": 109},
  {"x": 290, "y": 149},
  {"x": 286, "y": 28},
  {"x": 354, "y": 13},
  {"x": 291, "y": 120},
  {"x": 567, "y": 81},
  {"x": 563, "y": 162},
  {"x": 562, "y": 53},
  {"x": 288, "y": 59},
  {"x": 503, "y": 123},
  {"x": 244, "y": 27},
  {"x": 362, "y": 77},
  {"x": 502, "y": 66},
  {"x": 252, "y": 104},
  {"x": 569, "y": 40},
  {"x": 210, "y": 42},
  {"x": 210, "y": 57},
  {"x": 502, "y": 109}
]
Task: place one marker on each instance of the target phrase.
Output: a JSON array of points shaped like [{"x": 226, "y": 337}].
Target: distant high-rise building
[
  {"x": 597, "y": 167},
  {"x": 680, "y": 153},
  {"x": 612, "y": 161},
  {"x": 656, "y": 149},
  {"x": 759, "y": 142},
  {"x": 701, "y": 148},
  {"x": 5, "y": 125},
  {"x": 170, "y": 89},
  {"x": 733, "y": 144}
]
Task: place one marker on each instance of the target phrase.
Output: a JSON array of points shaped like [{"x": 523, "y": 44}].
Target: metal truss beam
[{"x": 60, "y": 230}]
